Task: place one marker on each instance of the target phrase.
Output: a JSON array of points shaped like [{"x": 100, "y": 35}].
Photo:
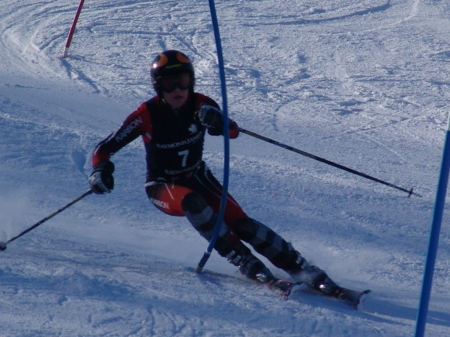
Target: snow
[{"x": 364, "y": 84}]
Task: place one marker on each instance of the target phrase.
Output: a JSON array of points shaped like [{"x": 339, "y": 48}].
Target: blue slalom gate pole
[
  {"x": 434, "y": 237},
  {"x": 226, "y": 136}
]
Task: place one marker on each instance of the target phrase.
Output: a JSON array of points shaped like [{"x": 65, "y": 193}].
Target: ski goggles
[{"x": 169, "y": 83}]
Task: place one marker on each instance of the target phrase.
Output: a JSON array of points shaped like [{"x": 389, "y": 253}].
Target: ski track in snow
[{"x": 364, "y": 84}]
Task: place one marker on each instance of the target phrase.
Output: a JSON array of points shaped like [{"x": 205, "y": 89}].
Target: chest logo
[{"x": 193, "y": 128}]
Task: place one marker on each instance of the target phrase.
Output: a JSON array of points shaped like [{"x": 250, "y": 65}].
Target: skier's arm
[
  {"x": 136, "y": 124},
  {"x": 133, "y": 127}
]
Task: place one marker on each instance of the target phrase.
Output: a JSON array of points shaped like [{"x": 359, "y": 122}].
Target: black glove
[
  {"x": 101, "y": 179},
  {"x": 210, "y": 116}
]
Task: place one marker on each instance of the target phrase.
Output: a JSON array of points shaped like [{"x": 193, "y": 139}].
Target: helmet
[{"x": 171, "y": 62}]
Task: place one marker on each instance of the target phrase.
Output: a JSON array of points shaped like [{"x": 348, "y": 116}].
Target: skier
[{"x": 173, "y": 125}]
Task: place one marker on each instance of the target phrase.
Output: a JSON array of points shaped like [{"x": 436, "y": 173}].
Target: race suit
[{"x": 174, "y": 143}]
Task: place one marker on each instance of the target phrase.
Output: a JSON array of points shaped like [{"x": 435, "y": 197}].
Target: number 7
[{"x": 183, "y": 154}]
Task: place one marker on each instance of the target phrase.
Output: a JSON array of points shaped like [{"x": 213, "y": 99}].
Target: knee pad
[
  {"x": 193, "y": 203},
  {"x": 199, "y": 213}
]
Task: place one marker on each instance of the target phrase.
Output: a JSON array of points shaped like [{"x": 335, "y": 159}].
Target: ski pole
[
  {"x": 290, "y": 148},
  {"x": 4, "y": 244}
]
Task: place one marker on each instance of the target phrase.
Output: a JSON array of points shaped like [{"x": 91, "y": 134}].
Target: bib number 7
[{"x": 184, "y": 155}]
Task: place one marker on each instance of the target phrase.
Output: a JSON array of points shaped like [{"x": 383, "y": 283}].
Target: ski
[
  {"x": 351, "y": 297},
  {"x": 284, "y": 288}
]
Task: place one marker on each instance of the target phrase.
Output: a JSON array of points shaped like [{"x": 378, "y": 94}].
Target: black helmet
[{"x": 171, "y": 62}]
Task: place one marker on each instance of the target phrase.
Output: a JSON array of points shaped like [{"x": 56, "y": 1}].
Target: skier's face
[{"x": 175, "y": 89}]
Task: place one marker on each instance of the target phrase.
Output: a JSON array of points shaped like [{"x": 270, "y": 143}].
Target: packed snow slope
[{"x": 361, "y": 83}]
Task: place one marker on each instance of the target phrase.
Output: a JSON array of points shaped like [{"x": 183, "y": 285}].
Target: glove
[
  {"x": 101, "y": 179},
  {"x": 210, "y": 116}
]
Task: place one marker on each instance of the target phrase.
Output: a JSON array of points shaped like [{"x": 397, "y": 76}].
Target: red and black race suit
[
  {"x": 173, "y": 139},
  {"x": 176, "y": 145}
]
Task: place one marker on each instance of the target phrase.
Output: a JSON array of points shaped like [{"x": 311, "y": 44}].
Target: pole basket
[{"x": 72, "y": 29}]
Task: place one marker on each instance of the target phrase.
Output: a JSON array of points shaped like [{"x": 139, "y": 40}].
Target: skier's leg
[
  {"x": 269, "y": 244},
  {"x": 281, "y": 253},
  {"x": 203, "y": 218},
  {"x": 167, "y": 197}
]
